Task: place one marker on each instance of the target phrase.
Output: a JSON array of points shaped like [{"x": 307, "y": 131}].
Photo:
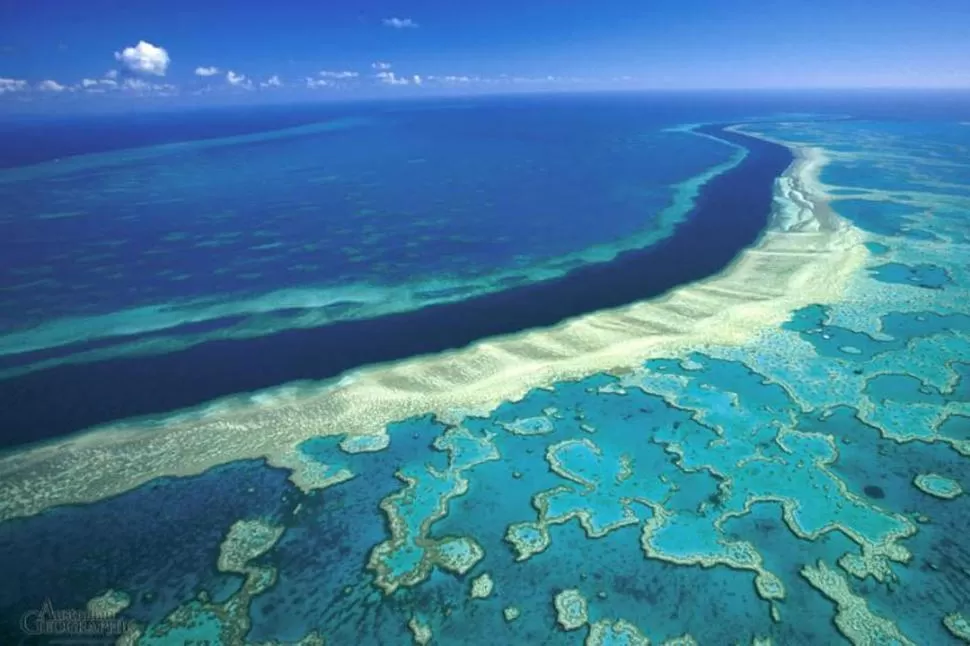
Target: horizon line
[{"x": 171, "y": 103}]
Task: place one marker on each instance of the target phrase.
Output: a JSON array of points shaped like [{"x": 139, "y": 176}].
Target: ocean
[
  {"x": 366, "y": 239},
  {"x": 552, "y": 369}
]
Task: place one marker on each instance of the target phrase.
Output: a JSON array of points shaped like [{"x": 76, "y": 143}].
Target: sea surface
[{"x": 162, "y": 273}]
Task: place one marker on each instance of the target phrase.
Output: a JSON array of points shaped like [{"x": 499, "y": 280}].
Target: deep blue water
[
  {"x": 729, "y": 213},
  {"x": 363, "y": 201},
  {"x": 162, "y": 538},
  {"x": 37, "y": 138}
]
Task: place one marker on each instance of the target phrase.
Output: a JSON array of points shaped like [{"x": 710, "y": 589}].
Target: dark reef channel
[{"x": 729, "y": 214}]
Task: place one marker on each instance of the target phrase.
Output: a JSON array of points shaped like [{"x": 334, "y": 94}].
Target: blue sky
[{"x": 260, "y": 50}]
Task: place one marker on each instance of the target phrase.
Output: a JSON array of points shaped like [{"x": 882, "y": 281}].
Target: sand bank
[{"x": 806, "y": 256}]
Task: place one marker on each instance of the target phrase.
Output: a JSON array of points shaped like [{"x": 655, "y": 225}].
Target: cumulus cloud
[
  {"x": 400, "y": 23},
  {"x": 381, "y": 65},
  {"x": 206, "y": 71},
  {"x": 339, "y": 75},
  {"x": 144, "y": 58},
  {"x": 416, "y": 79},
  {"x": 390, "y": 78},
  {"x": 273, "y": 81},
  {"x": 238, "y": 80},
  {"x": 50, "y": 86},
  {"x": 111, "y": 74},
  {"x": 12, "y": 85}
]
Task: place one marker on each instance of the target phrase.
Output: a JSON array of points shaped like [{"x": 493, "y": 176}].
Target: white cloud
[
  {"x": 339, "y": 75},
  {"x": 273, "y": 81},
  {"x": 141, "y": 86},
  {"x": 416, "y": 79},
  {"x": 111, "y": 74},
  {"x": 144, "y": 58},
  {"x": 136, "y": 84},
  {"x": 505, "y": 79},
  {"x": 454, "y": 79},
  {"x": 12, "y": 85},
  {"x": 314, "y": 84},
  {"x": 98, "y": 85},
  {"x": 50, "y": 86},
  {"x": 400, "y": 23},
  {"x": 238, "y": 80},
  {"x": 390, "y": 78},
  {"x": 534, "y": 80},
  {"x": 381, "y": 65},
  {"x": 206, "y": 71}
]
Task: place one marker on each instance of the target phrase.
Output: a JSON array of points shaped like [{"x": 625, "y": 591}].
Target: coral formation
[
  {"x": 937, "y": 485},
  {"x": 482, "y": 586},
  {"x": 571, "y": 609}
]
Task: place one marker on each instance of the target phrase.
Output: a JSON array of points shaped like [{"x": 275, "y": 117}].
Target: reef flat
[{"x": 773, "y": 455}]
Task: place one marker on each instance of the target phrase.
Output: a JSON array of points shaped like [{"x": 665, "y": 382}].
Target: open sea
[{"x": 362, "y": 373}]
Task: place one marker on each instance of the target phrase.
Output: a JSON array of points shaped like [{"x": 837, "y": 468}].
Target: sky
[{"x": 212, "y": 51}]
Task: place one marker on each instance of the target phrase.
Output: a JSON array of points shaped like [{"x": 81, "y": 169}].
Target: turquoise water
[{"x": 766, "y": 490}]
